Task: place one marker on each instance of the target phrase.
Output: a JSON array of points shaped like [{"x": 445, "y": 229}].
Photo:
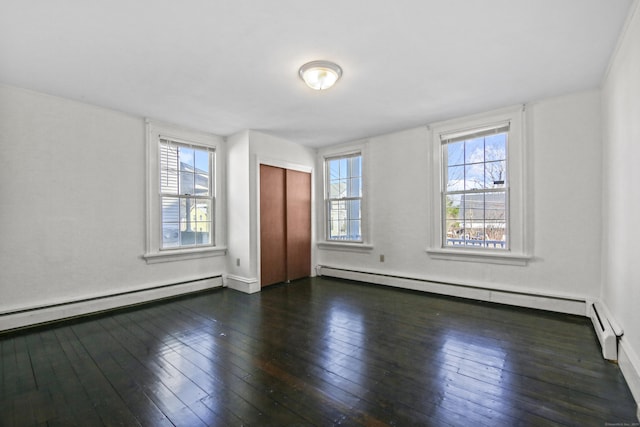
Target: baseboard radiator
[
  {"x": 515, "y": 297},
  {"x": 607, "y": 335},
  {"x": 32, "y": 316}
]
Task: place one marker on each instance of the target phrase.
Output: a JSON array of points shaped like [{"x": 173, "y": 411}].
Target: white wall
[
  {"x": 621, "y": 202},
  {"x": 72, "y": 216},
  {"x": 238, "y": 205},
  {"x": 565, "y": 179}
]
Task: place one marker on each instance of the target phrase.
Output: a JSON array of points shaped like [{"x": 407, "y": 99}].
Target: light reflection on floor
[
  {"x": 469, "y": 385},
  {"x": 343, "y": 346}
]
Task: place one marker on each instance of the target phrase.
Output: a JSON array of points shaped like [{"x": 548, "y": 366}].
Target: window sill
[
  {"x": 346, "y": 247},
  {"x": 183, "y": 254},
  {"x": 470, "y": 255}
]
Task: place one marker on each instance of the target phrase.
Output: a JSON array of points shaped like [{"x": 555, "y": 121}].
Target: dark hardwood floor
[{"x": 315, "y": 352}]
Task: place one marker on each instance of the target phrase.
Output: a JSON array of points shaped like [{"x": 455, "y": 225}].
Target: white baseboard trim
[
  {"x": 629, "y": 363},
  {"x": 21, "y": 318},
  {"x": 481, "y": 292},
  {"x": 248, "y": 285}
]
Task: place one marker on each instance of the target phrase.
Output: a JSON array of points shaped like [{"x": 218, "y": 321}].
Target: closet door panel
[
  {"x": 298, "y": 202},
  {"x": 273, "y": 241}
]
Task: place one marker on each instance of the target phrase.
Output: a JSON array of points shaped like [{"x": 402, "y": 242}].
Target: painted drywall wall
[
  {"x": 621, "y": 201},
  {"x": 238, "y": 205},
  {"x": 72, "y": 221},
  {"x": 565, "y": 190}
]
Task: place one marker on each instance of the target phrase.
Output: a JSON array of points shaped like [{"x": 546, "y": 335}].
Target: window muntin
[
  {"x": 344, "y": 198},
  {"x": 186, "y": 195},
  {"x": 475, "y": 190}
]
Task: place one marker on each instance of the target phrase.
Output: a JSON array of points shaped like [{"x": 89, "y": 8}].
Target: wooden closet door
[
  {"x": 298, "y": 202},
  {"x": 273, "y": 238}
]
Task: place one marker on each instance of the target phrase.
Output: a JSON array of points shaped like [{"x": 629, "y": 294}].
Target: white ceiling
[{"x": 227, "y": 65}]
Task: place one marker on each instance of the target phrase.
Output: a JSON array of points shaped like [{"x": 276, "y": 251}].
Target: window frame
[
  {"x": 518, "y": 226},
  {"x": 336, "y": 152},
  {"x": 155, "y": 253},
  {"x": 474, "y": 135},
  {"x": 210, "y": 196},
  {"x": 328, "y": 199}
]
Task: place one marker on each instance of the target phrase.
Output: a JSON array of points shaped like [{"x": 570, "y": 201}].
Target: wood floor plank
[{"x": 315, "y": 352}]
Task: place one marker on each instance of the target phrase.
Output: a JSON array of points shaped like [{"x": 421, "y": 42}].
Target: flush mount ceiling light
[{"x": 320, "y": 75}]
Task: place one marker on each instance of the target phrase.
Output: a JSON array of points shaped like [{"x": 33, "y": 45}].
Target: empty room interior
[{"x": 319, "y": 213}]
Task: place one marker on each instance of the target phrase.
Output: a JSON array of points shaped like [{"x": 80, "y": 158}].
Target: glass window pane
[
  {"x": 354, "y": 187},
  {"x": 335, "y": 229},
  {"x": 202, "y": 161},
  {"x": 168, "y": 181},
  {"x": 454, "y": 231},
  {"x": 201, "y": 185},
  {"x": 474, "y": 177},
  {"x": 187, "y": 184},
  {"x": 334, "y": 189},
  {"x": 455, "y": 178},
  {"x": 187, "y": 238},
  {"x": 474, "y": 151},
  {"x": 168, "y": 168},
  {"x": 337, "y": 219},
  {"x": 495, "y": 174},
  {"x": 474, "y": 207},
  {"x": 183, "y": 210},
  {"x": 203, "y": 238},
  {"x": 454, "y": 206},
  {"x": 353, "y": 232},
  {"x": 334, "y": 170},
  {"x": 495, "y": 147},
  {"x": 201, "y": 211},
  {"x": 455, "y": 153},
  {"x": 341, "y": 188},
  {"x": 187, "y": 222},
  {"x": 170, "y": 234},
  {"x": 496, "y": 206},
  {"x": 343, "y": 168},
  {"x": 356, "y": 166},
  {"x": 170, "y": 209},
  {"x": 495, "y": 234},
  {"x": 337, "y": 210},
  {"x": 353, "y": 209},
  {"x": 338, "y": 229},
  {"x": 186, "y": 158},
  {"x": 168, "y": 156}
]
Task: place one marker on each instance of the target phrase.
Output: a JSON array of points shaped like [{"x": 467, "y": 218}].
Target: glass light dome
[{"x": 320, "y": 75}]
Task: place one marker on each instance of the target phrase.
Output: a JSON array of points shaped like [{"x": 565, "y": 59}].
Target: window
[
  {"x": 186, "y": 195},
  {"x": 183, "y": 194},
  {"x": 344, "y": 198},
  {"x": 475, "y": 188},
  {"x": 478, "y": 194}
]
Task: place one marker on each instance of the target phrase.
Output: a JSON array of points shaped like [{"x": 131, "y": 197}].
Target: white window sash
[
  {"x": 359, "y": 148},
  {"x": 329, "y": 199}
]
